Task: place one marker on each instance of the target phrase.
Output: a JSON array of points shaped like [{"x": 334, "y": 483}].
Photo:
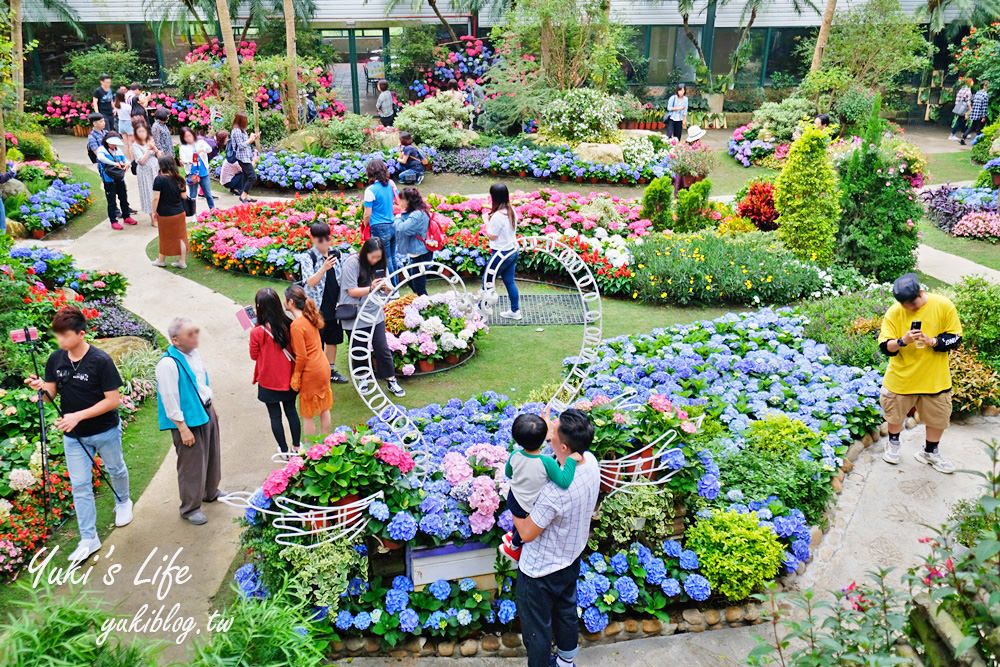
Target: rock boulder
[
  {"x": 118, "y": 346},
  {"x": 600, "y": 153}
]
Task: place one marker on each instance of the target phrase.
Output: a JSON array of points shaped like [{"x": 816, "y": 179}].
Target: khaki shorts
[{"x": 934, "y": 410}]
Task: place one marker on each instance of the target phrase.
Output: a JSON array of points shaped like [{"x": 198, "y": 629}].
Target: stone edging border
[{"x": 693, "y": 619}]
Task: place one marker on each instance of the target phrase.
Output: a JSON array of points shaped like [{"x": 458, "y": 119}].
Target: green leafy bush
[
  {"x": 711, "y": 268},
  {"x": 656, "y": 200},
  {"x": 781, "y": 118},
  {"x": 272, "y": 128},
  {"x": 735, "y": 553},
  {"x": 88, "y": 65},
  {"x": 976, "y": 300},
  {"x": 854, "y": 106},
  {"x": 690, "y": 207},
  {"x": 410, "y": 52},
  {"x": 35, "y": 146},
  {"x": 796, "y": 482},
  {"x": 433, "y": 121},
  {"x": 879, "y": 212},
  {"x": 779, "y": 436},
  {"x": 970, "y": 521},
  {"x": 806, "y": 196},
  {"x": 975, "y": 384},
  {"x": 582, "y": 114},
  {"x": 646, "y": 515},
  {"x": 840, "y": 323},
  {"x": 346, "y": 134},
  {"x": 981, "y": 151}
]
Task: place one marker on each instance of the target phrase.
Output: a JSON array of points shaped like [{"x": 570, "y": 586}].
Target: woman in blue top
[
  {"x": 411, "y": 230},
  {"x": 379, "y": 200},
  {"x": 677, "y": 109}
]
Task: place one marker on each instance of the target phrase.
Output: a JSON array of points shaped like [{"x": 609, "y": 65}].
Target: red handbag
[{"x": 366, "y": 231}]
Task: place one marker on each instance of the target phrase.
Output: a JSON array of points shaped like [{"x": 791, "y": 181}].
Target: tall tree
[
  {"x": 824, "y": 34},
  {"x": 293, "y": 70},
  {"x": 232, "y": 54},
  {"x": 685, "y": 8},
  {"x": 62, "y": 10},
  {"x": 433, "y": 4}
]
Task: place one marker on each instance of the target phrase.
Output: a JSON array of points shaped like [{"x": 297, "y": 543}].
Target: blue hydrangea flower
[
  {"x": 619, "y": 563},
  {"x": 344, "y": 620},
  {"x": 402, "y": 583},
  {"x": 601, "y": 584},
  {"x": 356, "y": 586},
  {"x": 671, "y": 587},
  {"x": 627, "y": 589},
  {"x": 408, "y": 620},
  {"x": 689, "y": 560},
  {"x": 363, "y": 620},
  {"x": 598, "y": 562},
  {"x": 672, "y": 548},
  {"x": 708, "y": 487},
  {"x": 464, "y": 617},
  {"x": 379, "y": 510},
  {"x": 403, "y": 527},
  {"x": 466, "y": 584},
  {"x": 440, "y": 589},
  {"x": 801, "y": 550},
  {"x": 594, "y": 619},
  {"x": 656, "y": 570},
  {"x": 506, "y": 611},
  {"x": 697, "y": 587},
  {"x": 396, "y": 600},
  {"x": 674, "y": 459},
  {"x": 586, "y": 594}
]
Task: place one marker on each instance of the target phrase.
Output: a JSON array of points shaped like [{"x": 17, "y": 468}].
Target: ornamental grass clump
[
  {"x": 806, "y": 197},
  {"x": 735, "y": 552},
  {"x": 436, "y": 121}
]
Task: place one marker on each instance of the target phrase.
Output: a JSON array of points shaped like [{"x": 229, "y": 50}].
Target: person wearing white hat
[
  {"x": 111, "y": 163},
  {"x": 695, "y": 132}
]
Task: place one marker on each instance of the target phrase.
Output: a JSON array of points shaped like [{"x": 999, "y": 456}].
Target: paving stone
[
  {"x": 854, "y": 451},
  {"x": 712, "y": 616},
  {"x": 668, "y": 629},
  {"x": 373, "y": 645},
  {"x": 734, "y": 614},
  {"x": 693, "y": 616},
  {"x": 631, "y": 625},
  {"x": 354, "y": 644},
  {"x": 614, "y": 628},
  {"x": 511, "y": 639},
  {"x": 651, "y": 626}
]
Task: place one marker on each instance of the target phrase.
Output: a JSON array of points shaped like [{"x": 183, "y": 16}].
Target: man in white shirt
[
  {"x": 555, "y": 534},
  {"x": 184, "y": 406}
]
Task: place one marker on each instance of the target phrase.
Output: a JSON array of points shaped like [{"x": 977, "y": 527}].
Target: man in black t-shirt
[
  {"x": 102, "y": 102},
  {"x": 87, "y": 381}
]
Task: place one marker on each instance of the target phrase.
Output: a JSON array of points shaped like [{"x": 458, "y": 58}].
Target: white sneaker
[
  {"x": 123, "y": 513},
  {"x": 157, "y": 262},
  {"x": 511, "y": 315},
  {"x": 891, "y": 453},
  {"x": 395, "y": 389},
  {"x": 936, "y": 461},
  {"x": 84, "y": 550},
  {"x": 952, "y": 137}
]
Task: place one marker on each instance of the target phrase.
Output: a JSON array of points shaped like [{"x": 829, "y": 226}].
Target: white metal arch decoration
[{"x": 590, "y": 299}]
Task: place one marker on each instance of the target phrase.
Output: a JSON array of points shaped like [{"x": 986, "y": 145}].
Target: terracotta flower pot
[
  {"x": 642, "y": 180},
  {"x": 37, "y": 233},
  {"x": 996, "y": 178},
  {"x": 687, "y": 180},
  {"x": 347, "y": 500},
  {"x": 563, "y": 177},
  {"x": 341, "y": 186},
  {"x": 522, "y": 174},
  {"x": 641, "y": 462},
  {"x": 390, "y": 545},
  {"x": 593, "y": 179},
  {"x": 426, "y": 365},
  {"x": 609, "y": 477},
  {"x": 493, "y": 171},
  {"x": 578, "y": 179},
  {"x": 451, "y": 358}
]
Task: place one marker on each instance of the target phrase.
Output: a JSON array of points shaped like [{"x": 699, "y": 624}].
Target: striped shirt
[
  {"x": 241, "y": 145},
  {"x": 564, "y": 517}
]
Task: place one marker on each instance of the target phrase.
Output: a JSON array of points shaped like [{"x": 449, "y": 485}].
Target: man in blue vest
[{"x": 184, "y": 405}]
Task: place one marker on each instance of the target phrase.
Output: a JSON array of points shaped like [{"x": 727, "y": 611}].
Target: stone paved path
[{"x": 951, "y": 268}]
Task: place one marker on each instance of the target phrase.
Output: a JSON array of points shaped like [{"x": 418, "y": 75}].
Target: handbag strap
[{"x": 288, "y": 355}]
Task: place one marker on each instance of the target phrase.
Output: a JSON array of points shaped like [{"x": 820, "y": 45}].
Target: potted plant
[
  {"x": 691, "y": 163},
  {"x": 993, "y": 166}
]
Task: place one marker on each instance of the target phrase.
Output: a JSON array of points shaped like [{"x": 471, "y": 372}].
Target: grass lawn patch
[
  {"x": 932, "y": 282},
  {"x": 97, "y": 213},
  {"x": 981, "y": 252},
  {"x": 729, "y": 175},
  {"x": 144, "y": 446},
  {"x": 952, "y": 167}
]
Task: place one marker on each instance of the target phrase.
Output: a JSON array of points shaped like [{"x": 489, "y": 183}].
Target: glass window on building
[
  {"x": 668, "y": 47},
  {"x": 726, "y": 40},
  {"x": 785, "y": 55}
]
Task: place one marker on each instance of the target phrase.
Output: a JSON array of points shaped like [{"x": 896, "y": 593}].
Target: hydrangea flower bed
[
  {"x": 55, "y": 269},
  {"x": 947, "y": 205},
  {"x": 564, "y": 164},
  {"x": 733, "y": 370},
  {"x": 471, "y": 57},
  {"x": 263, "y": 239},
  {"x": 53, "y": 207}
]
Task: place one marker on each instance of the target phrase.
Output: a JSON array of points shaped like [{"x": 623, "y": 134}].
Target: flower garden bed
[
  {"x": 35, "y": 283},
  {"x": 969, "y": 212},
  {"x": 758, "y": 385},
  {"x": 53, "y": 200},
  {"x": 430, "y": 332}
]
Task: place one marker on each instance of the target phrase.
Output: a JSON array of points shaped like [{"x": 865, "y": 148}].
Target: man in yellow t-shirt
[{"x": 917, "y": 333}]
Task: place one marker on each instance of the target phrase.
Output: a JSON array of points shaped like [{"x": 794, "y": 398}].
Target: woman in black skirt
[{"x": 270, "y": 348}]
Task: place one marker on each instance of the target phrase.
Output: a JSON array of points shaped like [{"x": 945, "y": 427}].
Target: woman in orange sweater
[{"x": 311, "y": 375}]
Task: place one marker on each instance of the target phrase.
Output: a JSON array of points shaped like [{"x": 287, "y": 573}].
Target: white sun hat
[{"x": 695, "y": 132}]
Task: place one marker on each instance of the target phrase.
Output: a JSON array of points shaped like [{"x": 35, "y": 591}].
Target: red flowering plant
[
  {"x": 340, "y": 466},
  {"x": 758, "y": 205}
]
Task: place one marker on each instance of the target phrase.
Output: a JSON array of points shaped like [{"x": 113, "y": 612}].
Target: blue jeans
[
  {"x": 109, "y": 446},
  {"x": 411, "y": 176},
  {"x": 206, "y": 188},
  {"x": 387, "y": 232},
  {"x": 506, "y": 273}
]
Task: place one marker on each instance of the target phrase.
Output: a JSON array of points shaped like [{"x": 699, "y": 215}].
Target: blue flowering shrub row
[
  {"x": 722, "y": 386},
  {"x": 53, "y": 207}
]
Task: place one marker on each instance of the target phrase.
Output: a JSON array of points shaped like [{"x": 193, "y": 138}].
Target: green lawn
[
  {"x": 98, "y": 211},
  {"x": 952, "y": 167},
  {"x": 144, "y": 446},
  {"x": 981, "y": 252},
  {"x": 506, "y": 361}
]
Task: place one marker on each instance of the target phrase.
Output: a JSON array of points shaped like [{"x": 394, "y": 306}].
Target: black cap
[{"x": 906, "y": 288}]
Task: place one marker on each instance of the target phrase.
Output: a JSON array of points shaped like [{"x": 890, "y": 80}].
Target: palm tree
[
  {"x": 433, "y": 4},
  {"x": 684, "y": 8},
  {"x": 180, "y": 16},
  {"x": 824, "y": 34},
  {"x": 972, "y": 12},
  {"x": 232, "y": 55},
  {"x": 63, "y": 12},
  {"x": 293, "y": 70}
]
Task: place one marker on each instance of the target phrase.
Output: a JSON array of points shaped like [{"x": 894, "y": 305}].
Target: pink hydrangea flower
[
  {"x": 395, "y": 456},
  {"x": 688, "y": 426},
  {"x": 337, "y": 438},
  {"x": 408, "y": 369},
  {"x": 481, "y": 522},
  {"x": 456, "y": 468},
  {"x": 660, "y": 403}
]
